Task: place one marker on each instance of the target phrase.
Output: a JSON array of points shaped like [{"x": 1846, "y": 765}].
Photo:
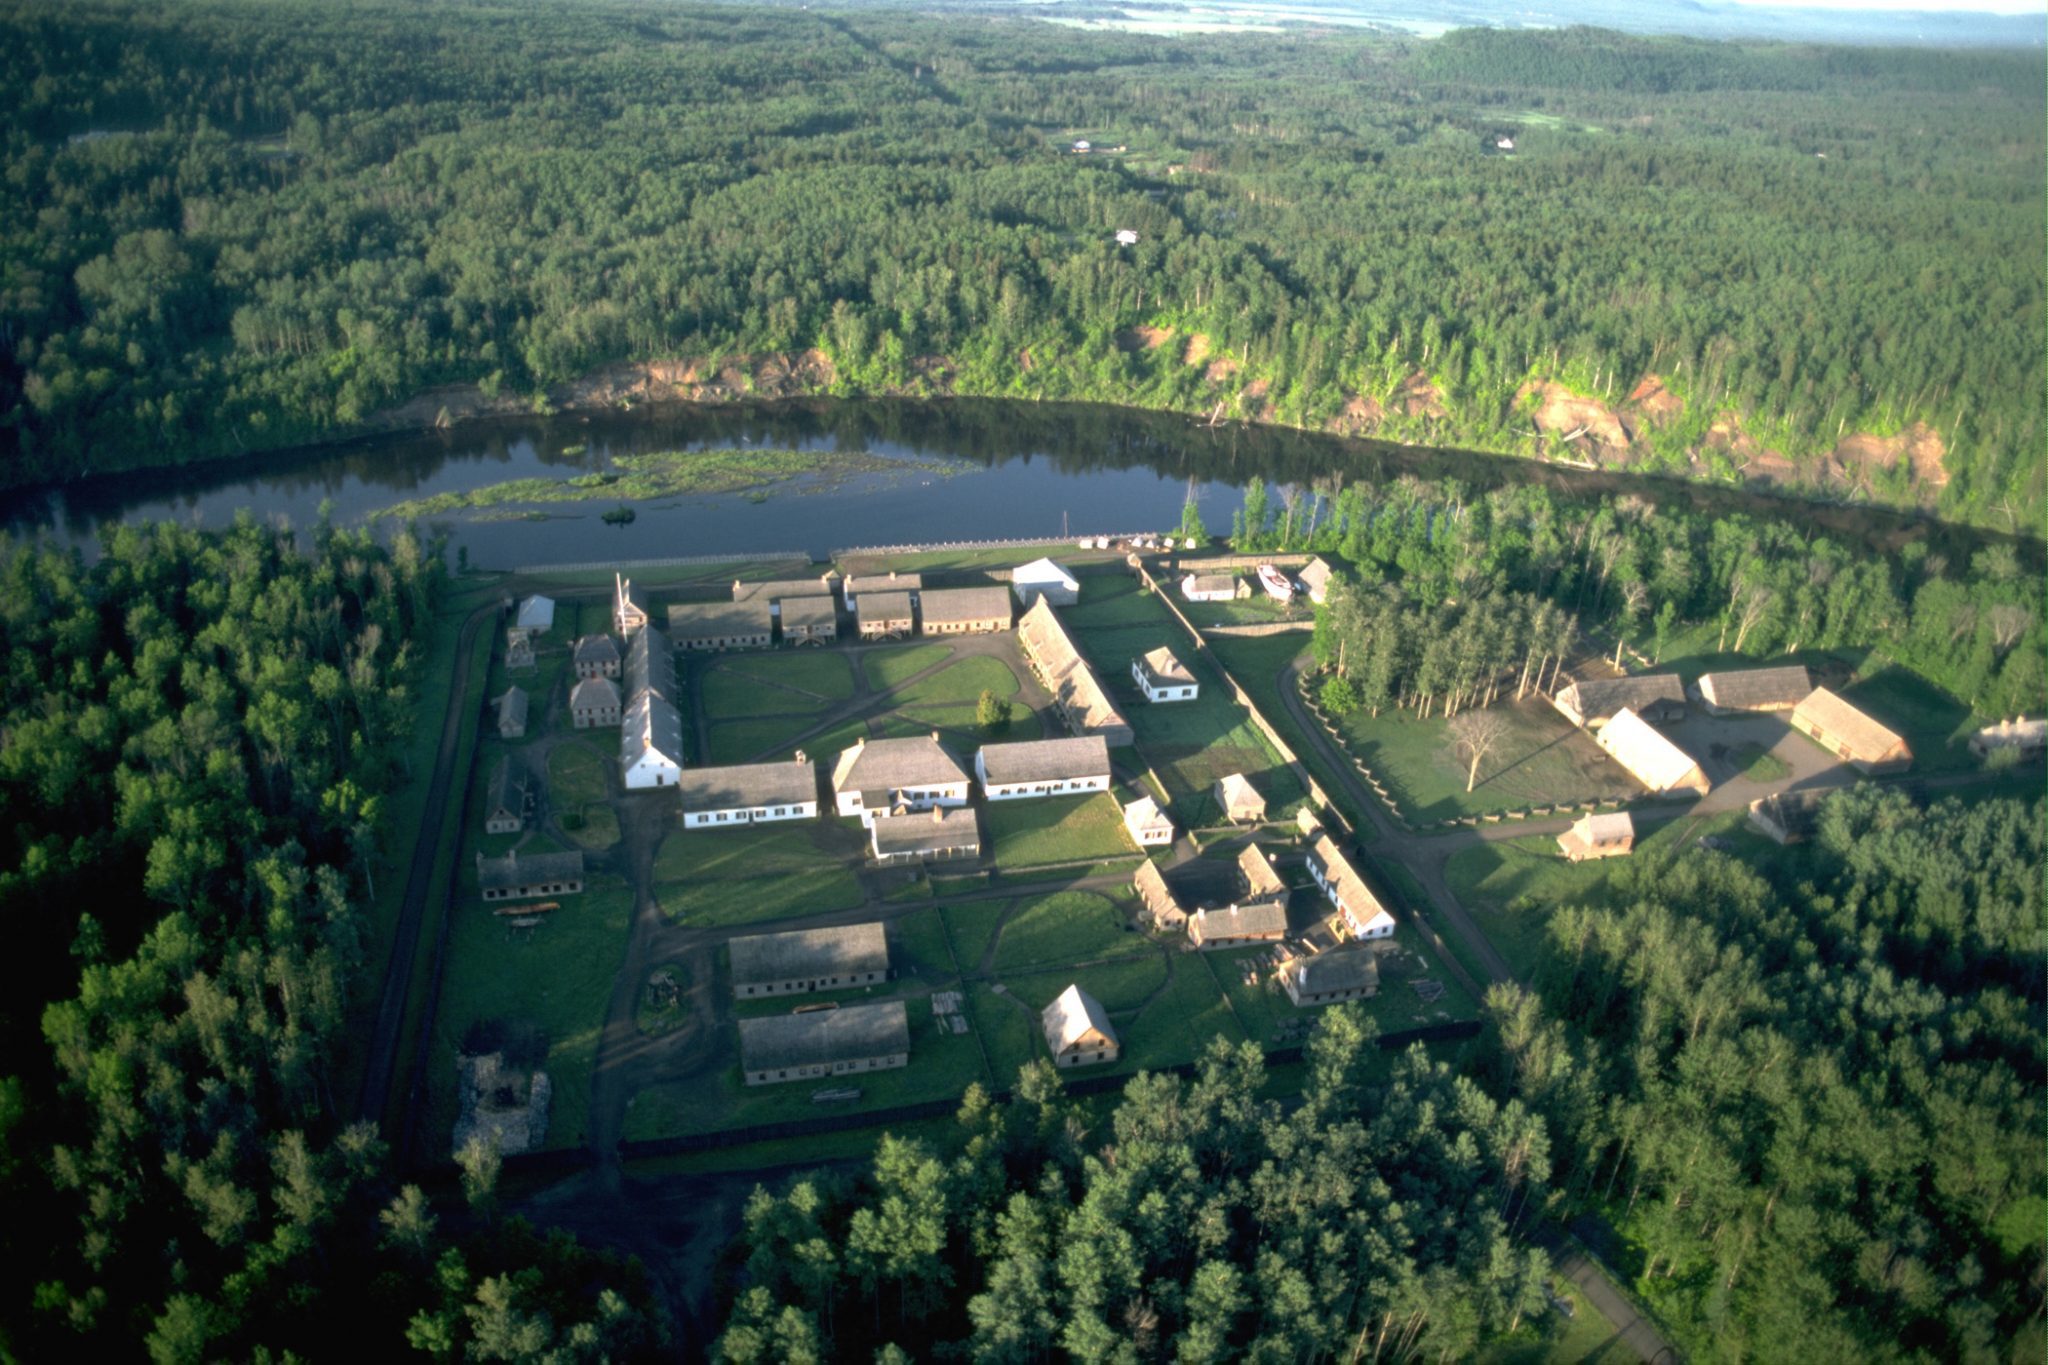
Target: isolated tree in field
[
  {"x": 991, "y": 712},
  {"x": 1476, "y": 734}
]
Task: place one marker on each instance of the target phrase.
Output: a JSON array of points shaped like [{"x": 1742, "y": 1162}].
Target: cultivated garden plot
[{"x": 1542, "y": 760}]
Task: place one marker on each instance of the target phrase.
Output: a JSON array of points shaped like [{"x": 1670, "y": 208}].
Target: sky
[{"x": 1915, "y": 6}]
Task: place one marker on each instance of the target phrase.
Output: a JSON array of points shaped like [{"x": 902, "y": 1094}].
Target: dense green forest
[
  {"x": 1453, "y": 590},
  {"x": 1812, "y": 1111},
  {"x": 198, "y": 737},
  {"x": 230, "y": 226}
]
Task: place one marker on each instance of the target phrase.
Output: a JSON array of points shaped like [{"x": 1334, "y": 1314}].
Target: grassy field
[
  {"x": 709, "y": 877},
  {"x": 577, "y": 775},
  {"x": 969, "y": 928},
  {"x": 555, "y": 978},
  {"x": 890, "y": 667},
  {"x": 1541, "y": 760},
  {"x": 776, "y": 683},
  {"x": 963, "y": 680},
  {"x": 1056, "y": 829},
  {"x": 919, "y": 948},
  {"x": 1068, "y": 926},
  {"x": 595, "y": 827}
]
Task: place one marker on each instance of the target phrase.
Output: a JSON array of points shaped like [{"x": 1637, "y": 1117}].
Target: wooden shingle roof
[
  {"x": 848, "y": 949},
  {"x": 744, "y": 785},
  {"x": 1755, "y": 688},
  {"x": 944, "y": 606},
  {"x": 850, "y": 1033},
  {"x": 1865, "y": 740}
]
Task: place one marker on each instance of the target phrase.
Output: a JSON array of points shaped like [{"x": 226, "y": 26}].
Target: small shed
[
  {"x": 535, "y": 613},
  {"x": 518, "y": 650},
  {"x": 1147, "y": 824},
  {"x": 1333, "y": 977},
  {"x": 1078, "y": 1031},
  {"x": 1598, "y": 836},
  {"x": 1239, "y": 800},
  {"x": 1162, "y": 909},
  {"x": 1212, "y": 587},
  {"x": 1315, "y": 576},
  {"x": 512, "y": 713},
  {"x": 1043, "y": 578}
]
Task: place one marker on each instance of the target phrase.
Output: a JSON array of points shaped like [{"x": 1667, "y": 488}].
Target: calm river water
[{"x": 968, "y": 470}]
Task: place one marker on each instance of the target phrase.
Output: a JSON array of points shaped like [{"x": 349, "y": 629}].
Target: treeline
[
  {"x": 1378, "y": 1220},
  {"x": 200, "y": 734},
  {"x": 1814, "y": 1111},
  {"x": 235, "y": 226},
  {"x": 1480, "y": 580}
]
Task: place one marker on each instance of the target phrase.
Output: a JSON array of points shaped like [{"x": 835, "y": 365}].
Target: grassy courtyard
[
  {"x": 1056, "y": 829},
  {"x": 713, "y": 877},
  {"x": 1067, "y": 926},
  {"x": 1542, "y": 760}
]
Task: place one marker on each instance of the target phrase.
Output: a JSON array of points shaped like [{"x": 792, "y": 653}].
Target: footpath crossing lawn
[{"x": 887, "y": 668}]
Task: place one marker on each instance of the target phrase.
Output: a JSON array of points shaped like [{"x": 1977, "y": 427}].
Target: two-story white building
[{"x": 875, "y": 777}]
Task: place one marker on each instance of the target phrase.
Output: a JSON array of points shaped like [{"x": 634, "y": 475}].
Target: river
[{"x": 952, "y": 470}]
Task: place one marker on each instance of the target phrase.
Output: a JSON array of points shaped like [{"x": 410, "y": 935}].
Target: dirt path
[{"x": 382, "y": 1063}]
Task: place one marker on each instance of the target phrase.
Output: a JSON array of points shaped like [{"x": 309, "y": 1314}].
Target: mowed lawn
[
  {"x": 776, "y": 683},
  {"x": 1542, "y": 760},
  {"x": 1067, "y": 926},
  {"x": 709, "y": 877},
  {"x": 1056, "y": 829},
  {"x": 892, "y": 665},
  {"x": 554, "y": 978}
]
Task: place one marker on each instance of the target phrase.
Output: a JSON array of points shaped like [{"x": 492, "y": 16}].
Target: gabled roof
[
  {"x": 502, "y": 874},
  {"x": 1756, "y": 687},
  {"x": 719, "y": 620},
  {"x": 506, "y": 789},
  {"x": 1654, "y": 760},
  {"x": 1347, "y": 888},
  {"x": 597, "y": 650},
  {"x": 1609, "y": 828},
  {"x": 1145, "y": 811},
  {"x": 947, "y": 605},
  {"x": 1153, "y": 890},
  {"x": 1237, "y": 789},
  {"x": 1865, "y": 740},
  {"x": 884, "y": 582},
  {"x": 1069, "y": 1020},
  {"x": 1253, "y": 919},
  {"x": 745, "y": 785},
  {"x": 1163, "y": 669},
  {"x": 1067, "y": 674},
  {"x": 850, "y": 1033},
  {"x": 1043, "y": 571},
  {"x": 535, "y": 613},
  {"x": 809, "y": 611},
  {"x": 651, "y": 725},
  {"x": 1605, "y": 696},
  {"x": 651, "y": 665},
  {"x": 884, "y": 606},
  {"x": 886, "y": 765},
  {"x": 1208, "y": 582},
  {"x": 1316, "y": 574},
  {"x": 594, "y": 694},
  {"x": 1046, "y": 760},
  {"x": 1341, "y": 969},
  {"x": 762, "y": 959},
  {"x": 932, "y": 831},
  {"x": 512, "y": 707},
  {"x": 784, "y": 589},
  {"x": 1258, "y": 872}
]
